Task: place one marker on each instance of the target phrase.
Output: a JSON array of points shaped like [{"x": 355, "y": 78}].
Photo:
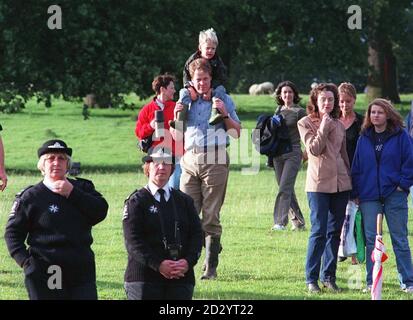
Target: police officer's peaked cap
[
  {"x": 159, "y": 155},
  {"x": 52, "y": 146}
]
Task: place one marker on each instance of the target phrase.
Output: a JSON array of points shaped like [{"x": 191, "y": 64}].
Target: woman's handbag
[{"x": 145, "y": 144}]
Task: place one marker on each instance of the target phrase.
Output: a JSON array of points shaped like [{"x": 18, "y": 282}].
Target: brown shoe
[
  {"x": 331, "y": 286},
  {"x": 313, "y": 288},
  {"x": 298, "y": 227}
]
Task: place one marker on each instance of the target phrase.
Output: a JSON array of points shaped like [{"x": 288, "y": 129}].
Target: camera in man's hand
[{"x": 174, "y": 251}]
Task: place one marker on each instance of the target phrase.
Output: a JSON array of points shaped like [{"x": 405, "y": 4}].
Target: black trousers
[
  {"x": 38, "y": 289},
  {"x": 141, "y": 290}
]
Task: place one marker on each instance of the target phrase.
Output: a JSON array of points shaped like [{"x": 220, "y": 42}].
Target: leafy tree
[
  {"x": 386, "y": 20},
  {"x": 111, "y": 48},
  {"x": 108, "y": 48},
  {"x": 298, "y": 40}
]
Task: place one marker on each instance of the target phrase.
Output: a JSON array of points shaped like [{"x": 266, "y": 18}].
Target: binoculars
[
  {"x": 181, "y": 118},
  {"x": 159, "y": 118}
]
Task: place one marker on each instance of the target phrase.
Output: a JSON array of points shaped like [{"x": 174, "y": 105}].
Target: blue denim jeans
[
  {"x": 175, "y": 177},
  {"x": 327, "y": 212},
  {"x": 396, "y": 213}
]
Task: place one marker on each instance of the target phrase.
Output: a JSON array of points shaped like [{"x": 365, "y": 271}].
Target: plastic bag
[
  {"x": 360, "y": 240},
  {"x": 348, "y": 246}
]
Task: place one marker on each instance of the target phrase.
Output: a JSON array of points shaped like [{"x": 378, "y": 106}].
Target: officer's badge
[
  {"x": 153, "y": 209},
  {"x": 53, "y": 208},
  {"x": 14, "y": 208},
  {"x": 125, "y": 212}
]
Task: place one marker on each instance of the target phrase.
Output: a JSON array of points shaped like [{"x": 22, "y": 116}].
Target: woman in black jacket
[
  {"x": 163, "y": 236},
  {"x": 56, "y": 216}
]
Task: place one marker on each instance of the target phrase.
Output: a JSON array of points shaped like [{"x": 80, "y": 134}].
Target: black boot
[
  {"x": 212, "y": 250},
  {"x": 204, "y": 265}
]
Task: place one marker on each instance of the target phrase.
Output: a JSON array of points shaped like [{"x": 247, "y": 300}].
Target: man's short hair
[{"x": 200, "y": 64}]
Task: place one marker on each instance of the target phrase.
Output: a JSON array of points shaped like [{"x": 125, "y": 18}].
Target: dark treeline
[{"x": 113, "y": 47}]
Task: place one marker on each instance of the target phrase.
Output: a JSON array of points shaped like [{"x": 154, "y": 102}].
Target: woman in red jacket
[{"x": 164, "y": 87}]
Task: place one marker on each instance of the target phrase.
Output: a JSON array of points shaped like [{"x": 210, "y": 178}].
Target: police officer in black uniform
[
  {"x": 163, "y": 236},
  {"x": 56, "y": 216}
]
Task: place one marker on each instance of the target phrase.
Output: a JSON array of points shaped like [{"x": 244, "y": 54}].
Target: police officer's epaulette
[
  {"x": 142, "y": 193},
  {"x": 19, "y": 194},
  {"x": 132, "y": 195},
  {"x": 82, "y": 181}
]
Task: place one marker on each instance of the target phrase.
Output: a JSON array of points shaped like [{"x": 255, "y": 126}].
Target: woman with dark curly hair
[
  {"x": 328, "y": 184},
  {"x": 164, "y": 87},
  {"x": 286, "y": 165}
]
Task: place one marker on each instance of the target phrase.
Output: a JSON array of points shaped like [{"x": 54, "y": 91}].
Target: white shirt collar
[
  {"x": 153, "y": 189},
  {"x": 49, "y": 184},
  {"x": 160, "y": 103}
]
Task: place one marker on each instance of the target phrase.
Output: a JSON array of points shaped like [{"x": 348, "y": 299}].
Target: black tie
[
  {"x": 163, "y": 215},
  {"x": 162, "y": 202}
]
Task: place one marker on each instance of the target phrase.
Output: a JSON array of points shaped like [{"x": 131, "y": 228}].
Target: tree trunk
[
  {"x": 382, "y": 77},
  {"x": 389, "y": 73},
  {"x": 373, "y": 79}
]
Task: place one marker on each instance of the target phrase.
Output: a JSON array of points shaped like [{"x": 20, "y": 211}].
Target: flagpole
[{"x": 379, "y": 224}]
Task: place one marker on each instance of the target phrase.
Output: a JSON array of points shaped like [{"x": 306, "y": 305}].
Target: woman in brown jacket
[{"x": 328, "y": 183}]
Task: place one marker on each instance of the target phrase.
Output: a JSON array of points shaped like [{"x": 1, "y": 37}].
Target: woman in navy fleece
[{"x": 382, "y": 173}]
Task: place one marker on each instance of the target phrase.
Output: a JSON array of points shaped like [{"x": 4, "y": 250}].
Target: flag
[{"x": 378, "y": 256}]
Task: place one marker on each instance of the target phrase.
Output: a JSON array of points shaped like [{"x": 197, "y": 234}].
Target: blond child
[{"x": 207, "y": 49}]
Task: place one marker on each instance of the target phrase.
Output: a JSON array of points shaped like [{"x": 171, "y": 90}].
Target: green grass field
[{"x": 255, "y": 263}]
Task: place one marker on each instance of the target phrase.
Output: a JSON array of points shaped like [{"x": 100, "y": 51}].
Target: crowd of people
[{"x": 367, "y": 160}]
